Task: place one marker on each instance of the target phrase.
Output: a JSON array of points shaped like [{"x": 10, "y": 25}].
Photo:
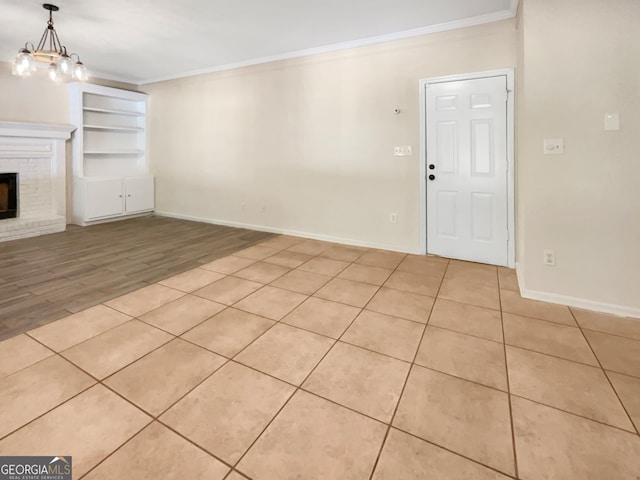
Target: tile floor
[{"x": 299, "y": 359}]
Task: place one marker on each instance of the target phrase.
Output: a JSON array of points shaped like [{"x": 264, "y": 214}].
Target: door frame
[{"x": 509, "y": 73}]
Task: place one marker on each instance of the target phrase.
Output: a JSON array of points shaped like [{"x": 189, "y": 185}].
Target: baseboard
[
  {"x": 284, "y": 231},
  {"x": 570, "y": 301},
  {"x": 87, "y": 223}
]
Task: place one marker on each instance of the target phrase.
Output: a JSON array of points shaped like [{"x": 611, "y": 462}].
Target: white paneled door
[{"x": 467, "y": 183}]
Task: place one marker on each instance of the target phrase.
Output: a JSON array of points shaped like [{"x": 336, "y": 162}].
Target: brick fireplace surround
[{"x": 37, "y": 153}]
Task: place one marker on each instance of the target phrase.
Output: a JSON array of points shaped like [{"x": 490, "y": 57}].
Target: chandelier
[{"x": 51, "y": 51}]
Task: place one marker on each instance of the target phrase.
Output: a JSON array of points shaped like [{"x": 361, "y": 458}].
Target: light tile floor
[{"x": 299, "y": 359}]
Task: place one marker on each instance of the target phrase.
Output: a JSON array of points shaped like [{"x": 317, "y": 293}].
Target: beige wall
[
  {"x": 581, "y": 60},
  {"x": 311, "y": 139},
  {"x": 37, "y": 99},
  {"x": 33, "y": 99}
]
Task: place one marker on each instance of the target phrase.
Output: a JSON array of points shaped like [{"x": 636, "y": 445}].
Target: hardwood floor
[{"x": 49, "y": 277}]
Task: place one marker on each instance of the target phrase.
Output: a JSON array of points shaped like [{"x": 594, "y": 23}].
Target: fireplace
[
  {"x": 32, "y": 179},
  {"x": 8, "y": 195}
]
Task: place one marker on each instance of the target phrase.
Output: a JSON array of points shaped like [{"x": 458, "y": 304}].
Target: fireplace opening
[{"x": 8, "y": 195}]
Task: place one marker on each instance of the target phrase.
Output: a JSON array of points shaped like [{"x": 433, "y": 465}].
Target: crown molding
[{"x": 416, "y": 32}]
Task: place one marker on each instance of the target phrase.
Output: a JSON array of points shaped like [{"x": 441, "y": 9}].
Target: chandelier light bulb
[
  {"x": 65, "y": 64},
  {"x": 23, "y": 64},
  {"x": 53, "y": 72},
  {"x": 80, "y": 72}
]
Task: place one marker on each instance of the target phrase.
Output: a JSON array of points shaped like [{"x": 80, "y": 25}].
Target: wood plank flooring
[{"x": 49, "y": 277}]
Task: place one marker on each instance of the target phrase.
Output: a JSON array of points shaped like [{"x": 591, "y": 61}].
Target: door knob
[
  {"x": 432, "y": 177},
  {"x": 432, "y": 166}
]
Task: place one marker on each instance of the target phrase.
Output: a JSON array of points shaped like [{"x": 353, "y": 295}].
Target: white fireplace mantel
[{"x": 37, "y": 153}]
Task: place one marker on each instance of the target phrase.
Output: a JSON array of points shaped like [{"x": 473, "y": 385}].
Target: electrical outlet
[
  {"x": 549, "y": 258},
  {"x": 393, "y": 218}
]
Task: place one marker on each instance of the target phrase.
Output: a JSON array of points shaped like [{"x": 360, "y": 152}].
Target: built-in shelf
[
  {"x": 115, "y": 129},
  {"x": 116, "y": 112},
  {"x": 111, "y": 176},
  {"x": 113, "y": 152}
]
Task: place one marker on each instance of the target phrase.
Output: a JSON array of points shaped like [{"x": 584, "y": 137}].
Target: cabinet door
[
  {"x": 139, "y": 194},
  {"x": 104, "y": 198}
]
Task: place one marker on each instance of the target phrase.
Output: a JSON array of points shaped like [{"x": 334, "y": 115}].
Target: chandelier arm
[
  {"x": 43, "y": 40},
  {"x": 51, "y": 29},
  {"x": 56, "y": 42}
]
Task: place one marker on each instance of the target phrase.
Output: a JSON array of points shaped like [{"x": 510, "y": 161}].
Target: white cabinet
[
  {"x": 110, "y": 166},
  {"x": 106, "y": 198},
  {"x": 138, "y": 193},
  {"x": 103, "y": 198}
]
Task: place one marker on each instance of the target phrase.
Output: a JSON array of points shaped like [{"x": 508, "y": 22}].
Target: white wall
[
  {"x": 310, "y": 139},
  {"x": 581, "y": 59}
]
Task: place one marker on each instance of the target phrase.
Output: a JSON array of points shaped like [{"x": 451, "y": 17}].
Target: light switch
[
  {"x": 553, "y": 146},
  {"x": 403, "y": 151},
  {"x": 612, "y": 121}
]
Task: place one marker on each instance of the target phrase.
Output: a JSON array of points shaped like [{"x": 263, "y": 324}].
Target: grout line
[
  {"x": 458, "y": 454},
  {"x": 520, "y": 347},
  {"x": 529, "y": 317},
  {"x": 228, "y": 359},
  {"x": 611, "y": 334},
  {"x": 295, "y": 391},
  {"x": 225, "y": 307},
  {"x": 449, "y": 329},
  {"x": 457, "y": 377},
  {"x": 633, "y": 425},
  {"x": 157, "y": 417},
  {"x": 351, "y": 409},
  {"x": 506, "y": 368},
  {"x": 3, "y": 437},
  {"x": 129, "y": 363},
  {"x": 235, "y": 274},
  {"x": 34, "y": 363},
  {"x": 608, "y": 370},
  {"x": 579, "y": 415},
  {"x": 298, "y": 388},
  {"x": 381, "y": 353},
  {"x": 89, "y": 338},
  {"x": 116, "y": 449},
  {"x": 406, "y": 380}
]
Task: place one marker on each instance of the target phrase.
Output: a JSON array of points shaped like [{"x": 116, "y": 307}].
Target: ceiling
[{"x": 141, "y": 41}]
